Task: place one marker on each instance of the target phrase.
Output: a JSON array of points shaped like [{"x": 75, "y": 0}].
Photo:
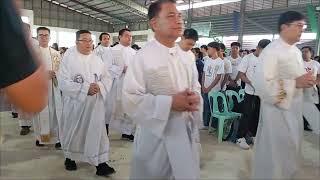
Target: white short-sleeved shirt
[
  {"x": 211, "y": 69},
  {"x": 227, "y": 70},
  {"x": 248, "y": 66},
  {"x": 312, "y": 66},
  {"x": 235, "y": 63}
]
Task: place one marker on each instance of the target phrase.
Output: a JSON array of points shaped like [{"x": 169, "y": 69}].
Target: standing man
[
  {"x": 25, "y": 120},
  {"x": 281, "y": 79},
  {"x": 84, "y": 83},
  {"x": 188, "y": 40},
  {"x": 104, "y": 39},
  {"x": 311, "y": 94},
  {"x": 162, "y": 95},
  {"x": 235, "y": 59},
  {"x": 251, "y": 106},
  {"x": 117, "y": 62},
  {"x": 212, "y": 74},
  {"x": 46, "y": 122},
  {"x": 227, "y": 67}
]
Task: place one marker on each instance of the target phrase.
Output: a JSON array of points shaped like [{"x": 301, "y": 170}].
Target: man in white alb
[
  {"x": 161, "y": 93},
  {"x": 103, "y": 47},
  {"x": 84, "y": 82},
  {"x": 117, "y": 61},
  {"x": 280, "y": 81},
  {"x": 46, "y": 127}
]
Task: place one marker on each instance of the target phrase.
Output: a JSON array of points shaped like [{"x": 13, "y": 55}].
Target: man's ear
[{"x": 153, "y": 24}]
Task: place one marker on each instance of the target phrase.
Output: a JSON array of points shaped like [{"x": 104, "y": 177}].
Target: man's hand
[
  {"x": 93, "y": 89},
  {"x": 194, "y": 101},
  {"x": 185, "y": 101},
  {"x": 233, "y": 84},
  {"x": 52, "y": 74},
  {"x": 305, "y": 81}
]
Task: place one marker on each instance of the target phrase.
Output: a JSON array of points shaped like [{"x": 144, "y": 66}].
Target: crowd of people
[{"x": 158, "y": 97}]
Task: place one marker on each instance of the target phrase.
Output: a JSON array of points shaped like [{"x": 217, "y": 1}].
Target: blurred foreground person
[{"x": 24, "y": 81}]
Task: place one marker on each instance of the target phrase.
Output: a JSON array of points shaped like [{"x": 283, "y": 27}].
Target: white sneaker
[{"x": 241, "y": 142}]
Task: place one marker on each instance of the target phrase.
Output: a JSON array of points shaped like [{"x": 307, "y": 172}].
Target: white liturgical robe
[
  {"x": 115, "y": 60},
  {"x": 83, "y": 134},
  {"x": 280, "y": 130},
  {"x": 166, "y": 142},
  {"x": 100, "y": 50},
  {"x": 45, "y": 123}
]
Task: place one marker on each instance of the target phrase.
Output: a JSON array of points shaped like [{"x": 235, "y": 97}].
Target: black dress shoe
[
  {"x": 58, "y": 146},
  {"x": 38, "y": 144},
  {"x": 70, "y": 165},
  {"x": 131, "y": 137},
  {"x": 127, "y": 137},
  {"x": 104, "y": 169},
  {"x": 107, "y": 127},
  {"x": 307, "y": 128},
  {"x": 14, "y": 115},
  {"x": 24, "y": 130}
]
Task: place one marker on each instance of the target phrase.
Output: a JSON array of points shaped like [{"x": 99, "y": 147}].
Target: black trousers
[
  {"x": 237, "y": 106},
  {"x": 249, "y": 122}
]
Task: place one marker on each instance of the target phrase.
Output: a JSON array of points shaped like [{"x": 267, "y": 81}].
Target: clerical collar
[
  {"x": 282, "y": 41},
  {"x": 172, "y": 51}
]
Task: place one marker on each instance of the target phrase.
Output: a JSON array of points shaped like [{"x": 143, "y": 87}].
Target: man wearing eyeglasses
[
  {"x": 281, "y": 80},
  {"x": 117, "y": 61},
  {"x": 46, "y": 122},
  {"x": 84, "y": 82}
]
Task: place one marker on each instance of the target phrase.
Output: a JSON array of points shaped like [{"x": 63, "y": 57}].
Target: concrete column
[{"x": 241, "y": 23}]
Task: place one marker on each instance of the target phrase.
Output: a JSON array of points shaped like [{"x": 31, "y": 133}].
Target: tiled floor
[{"x": 22, "y": 160}]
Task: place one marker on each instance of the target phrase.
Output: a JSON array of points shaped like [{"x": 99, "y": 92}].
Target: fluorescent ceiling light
[
  {"x": 180, "y": 1},
  {"x": 205, "y": 4}
]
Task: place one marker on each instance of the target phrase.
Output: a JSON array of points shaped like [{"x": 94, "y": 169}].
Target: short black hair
[
  {"x": 204, "y": 46},
  {"x": 155, "y": 7},
  {"x": 289, "y": 17},
  {"x": 191, "y": 34},
  {"x": 78, "y": 33},
  {"x": 236, "y": 44},
  {"x": 215, "y": 45},
  {"x": 123, "y": 30},
  {"x": 42, "y": 29},
  {"x": 310, "y": 49},
  {"x": 104, "y": 33},
  {"x": 263, "y": 43},
  {"x": 222, "y": 46}
]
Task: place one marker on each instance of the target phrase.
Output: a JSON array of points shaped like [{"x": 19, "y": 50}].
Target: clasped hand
[
  {"x": 93, "y": 89},
  {"x": 185, "y": 101}
]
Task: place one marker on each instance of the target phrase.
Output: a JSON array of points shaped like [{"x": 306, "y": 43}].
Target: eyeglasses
[
  {"x": 300, "y": 25},
  {"x": 86, "y": 41}
]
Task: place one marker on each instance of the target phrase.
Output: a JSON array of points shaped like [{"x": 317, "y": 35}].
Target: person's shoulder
[{"x": 316, "y": 63}]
